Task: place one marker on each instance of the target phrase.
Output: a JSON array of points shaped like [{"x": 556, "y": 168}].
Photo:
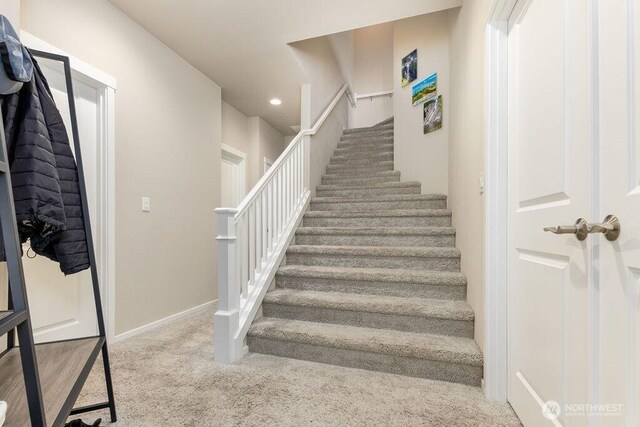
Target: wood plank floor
[{"x": 60, "y": 364}]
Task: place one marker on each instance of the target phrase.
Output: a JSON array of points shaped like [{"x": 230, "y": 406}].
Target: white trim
[
  {"x": 105, "y": 86},
  {"x": 233, "y": 151},
  {"x": 78, "y": 65},
  {"x": 163, "y": 322},
  {"x": 496, "y": 215},
  {"x": 238, "y": 158}
]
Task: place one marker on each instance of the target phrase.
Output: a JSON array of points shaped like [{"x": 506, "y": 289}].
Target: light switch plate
[{"x": 146, "y": 204}]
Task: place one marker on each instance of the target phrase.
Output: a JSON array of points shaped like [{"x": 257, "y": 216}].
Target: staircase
[{"x": 372, "y": 279}]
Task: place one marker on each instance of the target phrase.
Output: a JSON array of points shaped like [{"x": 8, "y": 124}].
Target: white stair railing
[{"x": 253, "y": 238}]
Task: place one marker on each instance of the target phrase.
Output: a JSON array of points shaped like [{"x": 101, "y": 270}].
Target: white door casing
[
  {"x": 617, "y": 299},
  {"x": 232, "y": 176},
  {"x": 549, "y": 184},
  {"x": 62, "y": 306},
  {"x": 95, "y": 104}
]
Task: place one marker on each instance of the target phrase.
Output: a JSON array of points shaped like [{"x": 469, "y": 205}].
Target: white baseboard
[{"x": 162, "y": 322}]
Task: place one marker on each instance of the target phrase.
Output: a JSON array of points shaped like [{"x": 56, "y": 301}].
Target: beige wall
[
  {"x": 168, "y": 135},
  {"x": 422, "y": 157},
  {"x": 373, "y": 72},
  {"x": 466, "y": 155},
  {"x": 322, "y": 72},
  {"x": 11, "y": 9}
]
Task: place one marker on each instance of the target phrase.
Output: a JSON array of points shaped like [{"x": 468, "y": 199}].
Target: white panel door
[
  {"x": 549, "y": 185},
  {"x": 619, "y": 262},
  {"x": 62, "y": 307}
]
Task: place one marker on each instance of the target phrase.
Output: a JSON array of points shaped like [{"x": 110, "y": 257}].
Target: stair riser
[
  {"x": 365, "y": 144},
  {"x": 379, "y": 167},
  {"x": 422, "y": 368},
  {"x": 379, "y": 240},
  {"x": 392, "y": 221},
  {"x": 394, "y": 289},
  {"x": 375, "y": 261},
  {"x": 418, "y": 324},
  {"x": 329, "y": 180},
  {"x": 367, "y": 135},
  {"x": 361, "y": 160},
  {"x": 382, "y": 128},
  {"x": 367, "y": 192},
  {"x": 367, "y": 149},
  {"x": 379, "y": 206}
]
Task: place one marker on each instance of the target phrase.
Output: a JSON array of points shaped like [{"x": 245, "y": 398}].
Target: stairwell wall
[
  {"x": 467, "y": 148},
  {"x": 373, "y": 72},
  {"x": 418, "y": 156}
]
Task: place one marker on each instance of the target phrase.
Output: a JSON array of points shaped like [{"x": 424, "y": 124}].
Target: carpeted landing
[{"x": 167, "y": 377}]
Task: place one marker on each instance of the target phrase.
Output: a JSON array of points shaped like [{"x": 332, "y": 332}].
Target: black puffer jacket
[{"x": 44, "y": 176}]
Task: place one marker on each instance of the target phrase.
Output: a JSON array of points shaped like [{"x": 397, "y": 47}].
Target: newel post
[{"x": 227, "y": 318}]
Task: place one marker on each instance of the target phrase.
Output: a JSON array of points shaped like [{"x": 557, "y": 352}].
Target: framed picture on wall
[
  {"x": 433, "y": 114},
  {"x": 410, "y": 68},
  {"x": 425, "y": 90}
]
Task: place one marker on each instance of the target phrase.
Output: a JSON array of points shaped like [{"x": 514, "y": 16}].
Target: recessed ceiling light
[{"x": 275, "y": 101}]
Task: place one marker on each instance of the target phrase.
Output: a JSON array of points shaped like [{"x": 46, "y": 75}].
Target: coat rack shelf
[{"x": 41, "y": 382}]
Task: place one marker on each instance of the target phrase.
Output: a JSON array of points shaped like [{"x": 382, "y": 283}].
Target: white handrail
[
  {"x": 252, "y": 239},
  {"x": 374, "y": 94},
  {"x": 249, "y": 198}
]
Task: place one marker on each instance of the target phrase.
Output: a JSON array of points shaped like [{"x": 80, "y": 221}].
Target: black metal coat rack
[{"x": 41, "y": 382}]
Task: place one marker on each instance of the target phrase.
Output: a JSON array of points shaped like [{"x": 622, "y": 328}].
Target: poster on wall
[
  {"x": 410, "y": 68},
  {"x": 424, "y": 90},
  {"x": 433, "y": 114}
]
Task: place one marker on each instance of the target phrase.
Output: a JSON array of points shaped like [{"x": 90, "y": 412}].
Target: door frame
[
  {"x": 104, "y": 223},
  {"x": 496, "y": 205},
  {"x": 495, "y": 384},
  {"x": 238, "y": 158}
]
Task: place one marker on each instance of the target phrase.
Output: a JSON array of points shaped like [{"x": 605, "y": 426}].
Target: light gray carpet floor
[{"x": 167, "y": 377}]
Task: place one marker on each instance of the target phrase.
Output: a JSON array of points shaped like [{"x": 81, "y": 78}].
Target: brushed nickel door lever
[
  {"x": 579, "y": 229},
  {"x": 610, "y": 227}
]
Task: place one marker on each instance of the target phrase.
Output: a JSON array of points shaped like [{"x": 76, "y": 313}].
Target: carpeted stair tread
[
  {"x": 374, "y": 186},
  {"x": 381, "y": 127},
  {"x": 425, "y": 277},
  {"x": 375, "y": 231},
  {"x": 393, "y": 251},
  {"x": 404, "y": 344},
  {"x": 380, "y": 198},
  {"x": 363, "y": 156},
  {"x": 383, "y": 213},
  {"x": 415, "y": 307},
  {"x": 368, "y": 133},
  {"x": 359, "y": 149},
  {"x": 385, "y": 165},
  {"x": 367, "y": 143}
]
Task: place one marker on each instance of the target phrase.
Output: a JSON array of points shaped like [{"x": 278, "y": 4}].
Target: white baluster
[
  {"x": 252, "y": 243},
  {"x": 244, "y": 257}
]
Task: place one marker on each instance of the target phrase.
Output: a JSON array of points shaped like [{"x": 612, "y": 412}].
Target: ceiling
[{"x": 243, "y": 44}]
